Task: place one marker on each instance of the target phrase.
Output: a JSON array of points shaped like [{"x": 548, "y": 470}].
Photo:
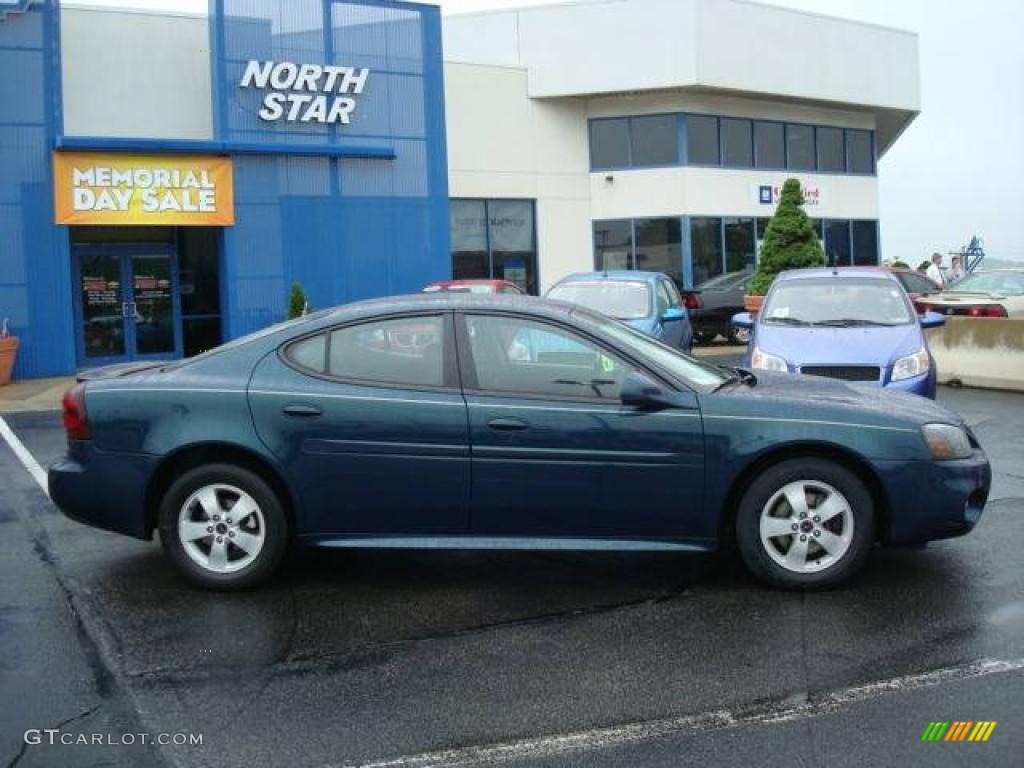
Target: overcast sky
[{"x": 958, "y": 170}]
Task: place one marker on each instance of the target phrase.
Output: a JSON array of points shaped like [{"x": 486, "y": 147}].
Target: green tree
[
  {"x": 900, "y": 264},
  {"x": 297, "y": 304},
  {"x": 790, "y": 240}
]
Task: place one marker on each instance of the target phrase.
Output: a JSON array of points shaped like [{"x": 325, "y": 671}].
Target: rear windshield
[
  {"x": 838, "y": 301},
  {"x": 1006, "y": 283},
  {"x": 621, "y": 299}
]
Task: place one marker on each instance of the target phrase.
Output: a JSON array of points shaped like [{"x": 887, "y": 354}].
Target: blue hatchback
[
  {"x": 854, "y": 324},
  {"x": 647, "y": 301}
]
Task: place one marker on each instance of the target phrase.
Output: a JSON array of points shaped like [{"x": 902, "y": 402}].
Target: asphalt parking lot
[{"x": 538, "y": 659}]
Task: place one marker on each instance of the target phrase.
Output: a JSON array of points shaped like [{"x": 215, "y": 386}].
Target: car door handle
[
  {"x": 507, "y": 425},
  {"x": 301, "y": 410}
]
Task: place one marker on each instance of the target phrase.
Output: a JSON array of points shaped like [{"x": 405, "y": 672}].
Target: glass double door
[{"x": 127, "y": 304}]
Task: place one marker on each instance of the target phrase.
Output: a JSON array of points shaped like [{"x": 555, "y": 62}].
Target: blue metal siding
[
  {"x": 345, "y": 227},
  {"x": 35, "y": 273}
]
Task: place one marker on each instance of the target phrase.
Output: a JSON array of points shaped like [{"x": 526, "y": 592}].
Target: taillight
[
  {"x": 76, "y": 420},
  {"x": 692, "y": 301},
  {"x": 990, "y": 310}
]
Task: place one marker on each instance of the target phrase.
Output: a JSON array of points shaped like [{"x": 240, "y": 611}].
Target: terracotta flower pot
[
  {"x": 752, "y": 304},
  {"x": 8, "y": 351}
]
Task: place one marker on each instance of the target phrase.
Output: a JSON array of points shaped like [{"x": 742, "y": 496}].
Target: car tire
[
  {"x": 740, "y": 336},
  {"x": 202, "y": 534},
  {"x": 834, "y": 518},
  {"x": 702, "y": 338}
]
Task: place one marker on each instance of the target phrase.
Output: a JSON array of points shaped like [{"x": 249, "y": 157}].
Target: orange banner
[{"x": 122, "y": 189}]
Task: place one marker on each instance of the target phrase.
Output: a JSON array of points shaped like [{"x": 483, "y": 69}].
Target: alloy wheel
[
  {"x": 806, "y": 526},
  {"x": 221, "y": 528}
]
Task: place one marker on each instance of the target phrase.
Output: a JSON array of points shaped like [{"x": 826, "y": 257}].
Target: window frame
[{"x": 449, "y": 361}]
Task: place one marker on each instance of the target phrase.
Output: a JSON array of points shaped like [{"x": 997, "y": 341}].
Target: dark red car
[
  {"x": 915, "y": 284},
  {"x": 474, "y": 286}
]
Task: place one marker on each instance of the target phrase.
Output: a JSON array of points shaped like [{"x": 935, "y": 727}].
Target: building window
[
  {"x": 609, "y": 143},
  {"x": 654, "y": 140},
  {"x": 737, "y": 143},
  {"x": 799, "y": 147},
  {"x": 659, "y": 247},
  {"x": 837, "y": 243},
  {"x": 705, "y": 248},
  {"x": 740, "y": 253},
  {"x": 199, "y": 279},
  {"x": 613, "y": 244},
  {"x": 494, "y": 240},
  {"x": 865, "y": 242},
  {"x": 860, "y": 152},
  {"x": 830, "y": 150},
  {"x": 702, "y": 140},
  {"x": 769, "y": 145}
]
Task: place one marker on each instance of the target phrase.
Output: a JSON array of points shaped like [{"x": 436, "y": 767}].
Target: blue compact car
[
  {"x": 453, "y": 420},
  {"x": 647, "y": 301},
  {"x": 854, "y": 324}
]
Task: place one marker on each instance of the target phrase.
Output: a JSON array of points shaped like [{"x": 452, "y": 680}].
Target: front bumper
[
  {"x": 930, "y": 500},
  {"x": 103, "y": 490}
]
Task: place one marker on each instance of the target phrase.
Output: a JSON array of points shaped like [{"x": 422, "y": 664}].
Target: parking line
[
  {"x": 26, "y": 458},
  {"x": 546, "y": 747}
]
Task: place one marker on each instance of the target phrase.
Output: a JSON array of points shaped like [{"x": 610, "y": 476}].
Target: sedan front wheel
[{"x": 805, "y": 523}]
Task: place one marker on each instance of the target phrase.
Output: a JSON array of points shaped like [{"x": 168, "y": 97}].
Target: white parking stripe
[
  {"x": 26, "y": 458},
  {"x": 598, "y": 738}
]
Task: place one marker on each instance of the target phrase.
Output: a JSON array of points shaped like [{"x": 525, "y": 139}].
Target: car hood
[{"x": 874, "y": 345}]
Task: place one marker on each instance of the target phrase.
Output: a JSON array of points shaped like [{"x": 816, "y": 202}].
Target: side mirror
[
  {"x": 643, "y": 392},
  {"x": 932, "y": 320},
  {"x": 743, "y": 320},
  {"x": 672, "y": 315}
]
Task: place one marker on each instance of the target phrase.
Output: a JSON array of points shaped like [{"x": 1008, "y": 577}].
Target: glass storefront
[{"x": 494, "y": 239}]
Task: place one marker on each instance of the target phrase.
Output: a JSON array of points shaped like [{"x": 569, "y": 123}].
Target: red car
[
  {"x": 915, "y": 284},
  {"x": 474, "y": 286}
]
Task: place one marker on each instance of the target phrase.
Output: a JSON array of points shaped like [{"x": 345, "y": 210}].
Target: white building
[{"x": 652, "y": 134}]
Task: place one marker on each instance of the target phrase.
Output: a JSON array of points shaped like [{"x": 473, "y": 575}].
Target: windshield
[
  {"x": 838, "y": 301},
  {"x": 1006, "y": 283},
  {"x": 701, "y": 376},
  {"x": 621, "y": 299}
]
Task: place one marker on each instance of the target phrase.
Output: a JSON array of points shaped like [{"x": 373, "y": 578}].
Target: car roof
[
  {"x": 448, "y": 301},
  {"x": 473, "y": 281},
  {"x": 631, "y": 275},
  {"x": 803, "y": 274}
]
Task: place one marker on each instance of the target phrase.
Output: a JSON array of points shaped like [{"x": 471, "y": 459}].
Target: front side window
[
  {"x": 524, "y": 357},
  {"x": 404, "y": 351},
  {"x": 840, "y": 302},
  {"x": 621, "y": 299}
]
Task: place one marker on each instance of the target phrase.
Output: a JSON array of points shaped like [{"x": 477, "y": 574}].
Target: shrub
[
  {"x": 790, "y": 240},
  {"x": 297, "y": 304}
]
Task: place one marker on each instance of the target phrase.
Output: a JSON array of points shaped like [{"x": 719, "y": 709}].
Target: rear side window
[
  {"x": 404, "y": 351},
  {"x": 310, "y": 353}
]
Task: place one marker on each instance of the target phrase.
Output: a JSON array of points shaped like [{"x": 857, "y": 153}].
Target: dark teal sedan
[{"x": 491, "y": 422}]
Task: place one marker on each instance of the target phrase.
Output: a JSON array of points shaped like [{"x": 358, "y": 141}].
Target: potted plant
[
  {"x": 790, "y": 242},
  {"x": 297, "y": 304},
  {"x": 8, "y": 351}
]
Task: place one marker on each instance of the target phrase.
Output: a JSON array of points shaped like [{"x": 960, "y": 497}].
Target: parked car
[
  {"x": 648, "y": 301},
  {"x": 720, "y": 298},
  {"x": 995, "y": 293},
  {"x": 474, "y": 286},
  {"x": 915, "y": 284},
  {"x": 852, "y": 323},
  {"x": 313, "y": 432}
]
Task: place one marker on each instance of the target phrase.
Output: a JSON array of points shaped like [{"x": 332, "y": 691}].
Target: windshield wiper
[
  {"x": 735, "y": 375},
  {"x": 851, "y": 322},
  {"x": 787, "y": 321}
]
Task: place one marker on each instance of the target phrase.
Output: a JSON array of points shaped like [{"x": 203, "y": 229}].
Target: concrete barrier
[{"x": 980, "y": 352}]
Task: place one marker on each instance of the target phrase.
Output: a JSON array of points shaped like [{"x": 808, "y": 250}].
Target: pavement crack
[{"x": 80, "y": 716}]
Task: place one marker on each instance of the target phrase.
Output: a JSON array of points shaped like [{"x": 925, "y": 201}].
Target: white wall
[
  {"x": 501, "y": 143},
  {"x": 131, "y": 74}
]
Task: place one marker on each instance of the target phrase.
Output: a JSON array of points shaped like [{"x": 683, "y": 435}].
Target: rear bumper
[
  {"x": 930, "y": 500},
  {"x": 103, "y": 490}
]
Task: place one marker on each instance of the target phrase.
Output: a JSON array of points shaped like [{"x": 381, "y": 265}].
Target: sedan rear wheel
[
  {"x": 805, "y": 523},
  {"x": 223, "y": 527}
]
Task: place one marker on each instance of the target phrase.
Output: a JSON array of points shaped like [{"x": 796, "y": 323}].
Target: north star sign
[{"x": 307, "y": 93}]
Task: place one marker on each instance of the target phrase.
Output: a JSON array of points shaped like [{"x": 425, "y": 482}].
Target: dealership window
[
  {"x": 613, "y": 244},
  {"x": 769, "y": 145},
  {"x": 705, "y": 248},
  {"x": 860, "y": 152},
  {"x": 864, "y": 235},
  {"x": 199, "y": 278},
  {"x": 740, "y": 252},
  {"x": 837, "y": 242},
  {"x": 654, "y": 140},
  {"x": 494, "y": 239},
  {"x": 830, "y": 150},
  {"x": 659, "y": 246},
  {"x": 702, "y": 140},
  {"x": 609, "y": 143},
  {"x": 799, "y": 147},
  {"x": 737, "y": 143}
]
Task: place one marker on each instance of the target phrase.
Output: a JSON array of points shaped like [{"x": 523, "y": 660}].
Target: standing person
[
  {"x": 956, "y": 270},
  {"x": 935, "y": 270}
]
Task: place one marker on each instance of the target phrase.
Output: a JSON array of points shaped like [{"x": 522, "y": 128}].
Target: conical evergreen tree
[
  {"x": 790, "y": 240},
  {"x": 297, "y": 304}
]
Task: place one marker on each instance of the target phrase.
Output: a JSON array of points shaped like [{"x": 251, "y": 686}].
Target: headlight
[
  {"x": 945, "y": 441},
  {"x": 910, "y": 366},
  {"x": 766, "y": 362}
]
